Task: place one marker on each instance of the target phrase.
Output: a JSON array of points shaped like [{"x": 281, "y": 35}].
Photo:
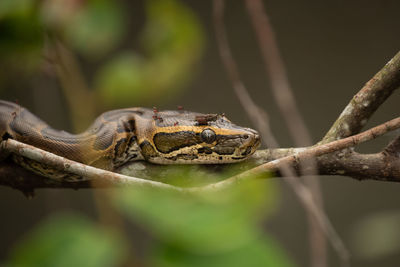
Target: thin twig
[
  {"x": 277, "y": 74},
  {"x": 80, "y": 99},
  {"x": 260, "y": 119},
  {"x": 255, "y": 113},
  {"x": 286, "y": 102}
]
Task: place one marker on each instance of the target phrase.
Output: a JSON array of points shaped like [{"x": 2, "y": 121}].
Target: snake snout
[
  {"x": 257, "y": 140},
  {"x": 250, "y": 142}
]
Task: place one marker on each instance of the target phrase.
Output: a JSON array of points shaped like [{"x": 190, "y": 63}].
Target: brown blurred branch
[
  {"x": 287, "y": 105},
  {"x": 255, "y": 113},
  {"x": 79, "y": 97},
  {"x": 286, "y": 101}
]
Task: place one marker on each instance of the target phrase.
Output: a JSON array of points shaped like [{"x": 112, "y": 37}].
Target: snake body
[{"x": 120, "y": 136}]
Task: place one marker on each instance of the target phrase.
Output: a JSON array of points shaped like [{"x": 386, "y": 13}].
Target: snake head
[{"x": 195, "y": 138}]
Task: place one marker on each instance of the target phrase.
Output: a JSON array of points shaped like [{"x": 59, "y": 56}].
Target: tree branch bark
[
  {"x": 366, "y": 101},
  {"x": 386, "y": 166}
]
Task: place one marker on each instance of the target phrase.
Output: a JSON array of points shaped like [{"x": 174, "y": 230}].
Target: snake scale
[{"x": 120, "y": 136}]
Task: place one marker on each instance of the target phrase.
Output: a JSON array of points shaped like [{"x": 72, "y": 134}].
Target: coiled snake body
[{"x": 119, "y": 136}]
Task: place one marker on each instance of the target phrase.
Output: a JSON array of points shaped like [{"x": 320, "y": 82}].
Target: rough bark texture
[
  {"x": 14, "y": 176},
  {"x": 366, "y": 101},
  {"x": 379, "y": 166}
]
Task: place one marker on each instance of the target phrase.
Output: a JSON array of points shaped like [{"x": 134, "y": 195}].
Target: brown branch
[
  {"x": 382, "y": 166},
  {"x": 366, "y": 101},
  {"x": 379, "y": 166},
  {"x": 385, "y": 170}
]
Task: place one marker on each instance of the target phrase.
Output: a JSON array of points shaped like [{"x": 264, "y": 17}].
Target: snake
[{"x": 120, "y": 136}]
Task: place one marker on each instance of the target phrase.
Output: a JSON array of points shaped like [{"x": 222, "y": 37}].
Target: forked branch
[{"x": 101, "y": 178}]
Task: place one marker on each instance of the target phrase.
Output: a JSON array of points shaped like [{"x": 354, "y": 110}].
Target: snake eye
[{"x": 208, "y": 136}]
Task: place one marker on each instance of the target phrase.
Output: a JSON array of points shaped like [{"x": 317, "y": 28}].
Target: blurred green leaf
[
  {"x": 69, "y": 240},
  {"x": 172, "y": 39},
  {"x": 96, "y": 28},
  {"x": 207, "y": 229},
  {"x": 194, "y": 174},
  {"x": 91, "y": 27},
  {"x": 204, "y": 223},
  {"x": 18, "y": 8},
  {"x": 172, "y": 29},
  {"x": 377, "y": 235},
  {"x": 264, "y": 252},
  {"x": 123, "y": 76},
  {"x": 21, "y": 34}
]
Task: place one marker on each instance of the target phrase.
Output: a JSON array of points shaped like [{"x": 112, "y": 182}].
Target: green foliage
[
  {"x": 208, "y": 229},
  {"x": 188, "y": 175},
  {"x": 67, "y": 240},
  {"x": 172, "y": 39},
  {"x": 17, "y": 8},
  {"x": 122, "y": 79},
  {"x": 20, "y": 33},
  {"x": 263, "y": 252},
  {"x": 92, "y": 28},
  {"x": 97, "y": 28}
]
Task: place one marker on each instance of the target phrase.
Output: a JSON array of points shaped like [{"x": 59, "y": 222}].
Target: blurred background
[{"x": 70, "y": 60}]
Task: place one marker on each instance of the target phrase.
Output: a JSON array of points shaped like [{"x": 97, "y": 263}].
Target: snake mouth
[
  {"x": 257, "y": 142},
  {"x": 250, "y": 146}
]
